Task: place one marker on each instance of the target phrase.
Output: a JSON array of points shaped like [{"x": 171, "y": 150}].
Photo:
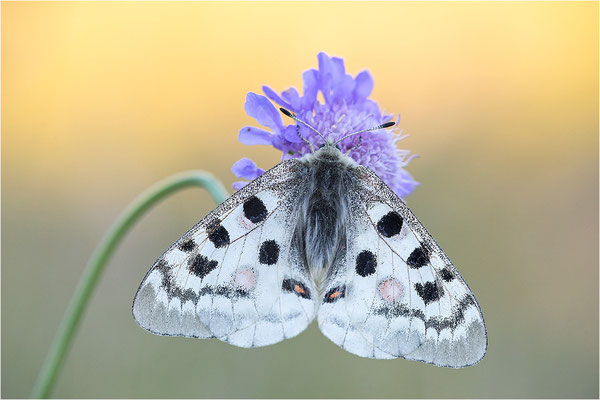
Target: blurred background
[{"x": 100, "y": 100}]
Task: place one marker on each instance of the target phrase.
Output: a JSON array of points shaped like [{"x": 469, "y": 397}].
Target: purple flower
[
  {"x": 346, "y": 109},
  {"x": 245, "y": 168}
]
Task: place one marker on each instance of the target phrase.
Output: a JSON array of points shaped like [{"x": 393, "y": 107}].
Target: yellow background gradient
[{"x": 100, "y": 100}]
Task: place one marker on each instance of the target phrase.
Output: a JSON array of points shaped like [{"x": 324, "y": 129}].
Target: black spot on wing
[
  {"x": 183, "y": 295},
  {"x": 224, "y": 291},
  {"x": 219, "y": 236},
  {"x": 166, "y": 281},
  {"x": 163, "y": 266},
  {"x": 365, "y": 263},
  {"x": 255, "y": 210},
  {"x": 394, "y": 311},
  {"x": 390, "y": 224},
  {"x": 456, "y": 317},
  {"x": 171, "y": 287},
  {"x": 268, "y": 253},
  {"x": 288, "y": 285},
  {"x": 429, "y": 292},
  {"x": 296, "y": 287},
  {"x": 418, "y": 258},
  {"x": 446, "y": 274},
  {"x": 201, "y": 266},
  {"x": 335, "y": 294},
  {"x": 187, "y": 246}
]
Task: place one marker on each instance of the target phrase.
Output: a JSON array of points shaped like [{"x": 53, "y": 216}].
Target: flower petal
[
  {"x": 292, "y": 97},
  {"x": 324, "y": 61},
  {"x": 247, "y": 169},
  {"x": 311, "y": 88},
  {"x": 364, "y": 85},
  {"x": 250, "y": 135},
  {"x": 279, "y": 142},
  {"x": 240, "y": 184},
  {"x": 326, "y": 72},
  {"x": 405, "y": 183},
  {"x": 370, "y": 107},
  {"x": 291, "y": 135},
  {"x": 263, "y": 111},
  {"x": 288, "y": 156},
  {"x": 271, "y": 94},
  {"x": 344, "y": 88},
  {"x": 330, "y": 68},
  {"x": 338, "y": 67}
]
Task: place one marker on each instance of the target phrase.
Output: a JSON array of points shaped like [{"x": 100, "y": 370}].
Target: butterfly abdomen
[{"x": 323, "y": 217}]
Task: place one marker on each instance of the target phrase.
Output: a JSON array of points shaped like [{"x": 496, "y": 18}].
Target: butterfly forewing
[
  {"x": 237, "y": 275},
  {"x": 401, "y": 295}
]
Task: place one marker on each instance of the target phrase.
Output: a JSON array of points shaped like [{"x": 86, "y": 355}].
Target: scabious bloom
[{"x": 346, "y": 109}]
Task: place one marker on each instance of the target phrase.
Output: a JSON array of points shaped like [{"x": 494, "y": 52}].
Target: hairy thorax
[{"x": 324, "y": 211}]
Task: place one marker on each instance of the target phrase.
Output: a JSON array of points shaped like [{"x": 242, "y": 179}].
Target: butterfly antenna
[
  {"x": 292, "y": 116},
  {"x": 382, "y": 126},
  {"x": 312, "y": 148}
]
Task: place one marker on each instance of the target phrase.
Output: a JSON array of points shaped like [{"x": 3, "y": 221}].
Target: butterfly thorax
[{"x": 321, "y": 231}]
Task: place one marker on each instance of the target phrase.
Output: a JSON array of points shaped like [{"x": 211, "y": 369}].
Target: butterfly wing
[
  {"x": 394, "y": 293},
  {"x": 237, "y": 275}
]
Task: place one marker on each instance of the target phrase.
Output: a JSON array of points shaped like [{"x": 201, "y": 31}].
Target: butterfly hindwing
[
  {"x": 237, "y": 275},
  {"x": 395, "y": 293}
]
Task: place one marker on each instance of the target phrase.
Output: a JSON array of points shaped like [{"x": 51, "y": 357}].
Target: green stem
[{"x": 89, "y": 279}]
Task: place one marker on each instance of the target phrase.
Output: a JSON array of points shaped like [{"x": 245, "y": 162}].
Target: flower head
[{"x": 346, "y": 109}]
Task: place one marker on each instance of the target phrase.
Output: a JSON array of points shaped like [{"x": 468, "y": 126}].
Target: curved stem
[{"x": 89, "y": 279}]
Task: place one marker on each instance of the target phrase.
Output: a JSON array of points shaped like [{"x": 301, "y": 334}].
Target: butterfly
[{"x": 318, "y": 237}]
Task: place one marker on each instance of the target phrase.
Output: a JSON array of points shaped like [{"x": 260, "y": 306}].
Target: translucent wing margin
[
  {"x": 395, "y": 293},
  {"x": 237, "y": 274}
]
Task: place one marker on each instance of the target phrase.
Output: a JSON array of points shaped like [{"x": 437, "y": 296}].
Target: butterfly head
[{"x": 329, "y": 142}]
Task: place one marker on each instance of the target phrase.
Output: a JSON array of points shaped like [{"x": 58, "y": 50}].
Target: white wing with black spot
[
  {"x": 237, "y": 275},
  {"x": 394, "y": 293}
]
